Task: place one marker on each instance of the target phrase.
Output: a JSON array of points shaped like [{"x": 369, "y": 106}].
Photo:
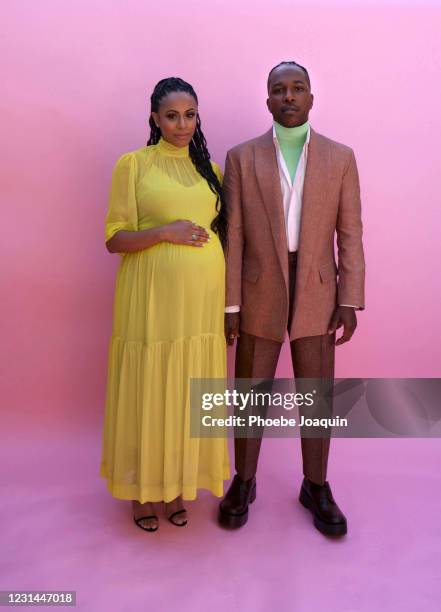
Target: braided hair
[
  {"x": 199, "y": 154},
  {"x": 290, "y": 64}
]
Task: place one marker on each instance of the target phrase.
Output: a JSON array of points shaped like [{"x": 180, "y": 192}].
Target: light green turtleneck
[{"x": 291, "y": 141}]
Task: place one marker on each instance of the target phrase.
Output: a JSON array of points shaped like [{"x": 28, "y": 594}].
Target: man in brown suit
[{"x": 283, "y": 214}]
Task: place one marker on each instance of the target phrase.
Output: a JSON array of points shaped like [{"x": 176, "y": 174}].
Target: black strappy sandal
[
  {"x": 171, "y": 517},
  {"x": 143, "y": 518}
]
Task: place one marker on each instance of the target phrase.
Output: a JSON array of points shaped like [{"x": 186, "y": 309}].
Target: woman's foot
[
  {"x": 176, "y": 512},
  {"x": 144, "y": 516}
]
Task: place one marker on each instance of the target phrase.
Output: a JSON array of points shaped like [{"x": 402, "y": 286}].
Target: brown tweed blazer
[{"x": 257, "y": 252}]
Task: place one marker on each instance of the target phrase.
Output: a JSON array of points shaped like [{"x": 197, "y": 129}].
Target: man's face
[{"x": 289, "y": 96}]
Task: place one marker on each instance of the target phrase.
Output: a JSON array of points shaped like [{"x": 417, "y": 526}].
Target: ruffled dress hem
[{"x": 159, "y": 494}]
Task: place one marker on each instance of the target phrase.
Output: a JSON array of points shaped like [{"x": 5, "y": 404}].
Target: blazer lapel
[
  {"x": 268, "y": 180},
  {"x": 315, "y": 186}
]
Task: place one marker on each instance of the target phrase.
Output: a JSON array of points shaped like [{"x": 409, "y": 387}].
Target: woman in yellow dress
[{"x": 167, "y": 221}]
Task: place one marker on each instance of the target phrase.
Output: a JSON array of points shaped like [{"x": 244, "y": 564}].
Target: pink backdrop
[{"x": 76, "y": 83}]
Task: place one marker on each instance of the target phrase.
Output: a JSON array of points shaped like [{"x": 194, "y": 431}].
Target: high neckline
[
  {"x": 293, "y": 135},
  {"x": 170, "y": 149}
]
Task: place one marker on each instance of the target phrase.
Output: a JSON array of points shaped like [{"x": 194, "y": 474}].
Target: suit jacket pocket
[
  {"x": 250, "y": 271},
  {"x": 328, "y": 272}
]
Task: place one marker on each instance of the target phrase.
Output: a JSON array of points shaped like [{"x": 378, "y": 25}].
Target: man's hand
[
  {"x": 343, "y": 315},
  {"x": 232, "y": 324}
]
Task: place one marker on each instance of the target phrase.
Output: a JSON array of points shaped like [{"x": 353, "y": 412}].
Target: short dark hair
[{"x": 289, "y": 64}]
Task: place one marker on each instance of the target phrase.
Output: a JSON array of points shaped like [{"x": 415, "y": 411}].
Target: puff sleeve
[{"x": 122, "y": 212}]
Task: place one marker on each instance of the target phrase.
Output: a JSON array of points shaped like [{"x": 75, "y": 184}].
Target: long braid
[{"x": 198, "y": 150}]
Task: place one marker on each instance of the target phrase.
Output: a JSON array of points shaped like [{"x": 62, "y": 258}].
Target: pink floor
[{"x": 62, "y": 530}]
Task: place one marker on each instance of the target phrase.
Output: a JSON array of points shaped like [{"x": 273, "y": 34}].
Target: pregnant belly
[
  {"x": 180, "y": 263},
  {"x": 171, "y": 291},
  {"x": 174, "y": 268}
]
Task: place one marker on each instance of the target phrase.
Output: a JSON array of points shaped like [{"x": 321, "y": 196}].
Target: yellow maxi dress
[{"x": 168, "y": 326}]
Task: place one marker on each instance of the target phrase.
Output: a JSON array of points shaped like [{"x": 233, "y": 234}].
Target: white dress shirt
[{"x": 292, "y": 191}]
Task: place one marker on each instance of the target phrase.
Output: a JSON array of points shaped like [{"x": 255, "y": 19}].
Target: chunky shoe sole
[
  {"x": 322, "y": 526},
  {"x": 236, "y": 520}
]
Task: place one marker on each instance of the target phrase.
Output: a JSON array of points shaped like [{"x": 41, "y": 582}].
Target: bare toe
[
  {"x": 176, "y": 512},
  {"x": 144, "y": 516}
]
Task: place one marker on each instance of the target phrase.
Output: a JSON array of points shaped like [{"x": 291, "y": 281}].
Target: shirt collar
[{"x": 276, "y": 142}]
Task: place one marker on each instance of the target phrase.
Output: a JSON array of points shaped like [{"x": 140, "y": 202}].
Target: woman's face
[{"x": 177, "y": 118}]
